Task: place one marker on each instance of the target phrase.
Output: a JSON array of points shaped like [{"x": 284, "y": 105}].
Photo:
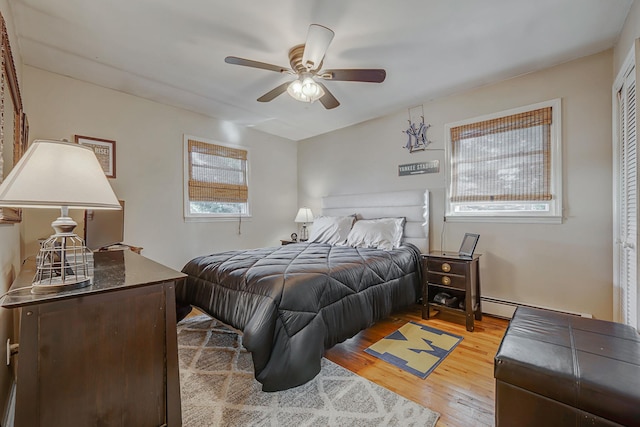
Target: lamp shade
[
  {"x": 58, "y": 174},
  {"x": 304, "y": 215}
]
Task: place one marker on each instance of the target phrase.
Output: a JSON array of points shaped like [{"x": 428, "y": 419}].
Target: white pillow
[
  {"x": 331, "y": 229},
  {"x": 381, "y": 233}
]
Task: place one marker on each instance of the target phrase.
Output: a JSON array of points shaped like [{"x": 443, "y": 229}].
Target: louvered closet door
[{"x": 627, "y": 199}]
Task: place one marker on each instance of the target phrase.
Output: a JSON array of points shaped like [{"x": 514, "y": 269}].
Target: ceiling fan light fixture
[
  {"x": 306, "y": 62},
  {"x": 306, "y": 90},
  {"x": 311, "y": 88}
]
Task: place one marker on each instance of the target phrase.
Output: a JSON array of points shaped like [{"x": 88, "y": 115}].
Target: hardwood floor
[{"x": 461, "y": 388}]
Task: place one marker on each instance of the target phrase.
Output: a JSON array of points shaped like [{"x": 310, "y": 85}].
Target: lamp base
[
  {"x": 63, "y": 263},
  {"x": 51, "y": 286},
  {"x": 304, "y": 234}
]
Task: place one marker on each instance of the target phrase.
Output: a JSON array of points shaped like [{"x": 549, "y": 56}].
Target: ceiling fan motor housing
[{"x": 295, "y": 59}]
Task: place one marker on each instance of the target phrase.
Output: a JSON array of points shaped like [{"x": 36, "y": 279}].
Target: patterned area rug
[
  {"x": 415, "y": 348},
  {"x": 218, "y": 389}
]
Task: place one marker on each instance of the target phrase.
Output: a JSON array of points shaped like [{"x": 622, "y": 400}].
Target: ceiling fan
[{"x": 306, "y": 65}]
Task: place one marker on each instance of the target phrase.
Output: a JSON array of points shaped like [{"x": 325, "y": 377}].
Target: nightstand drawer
[
  {"x": 446, "y": 266},
  {"x": 451, "y": 280}
]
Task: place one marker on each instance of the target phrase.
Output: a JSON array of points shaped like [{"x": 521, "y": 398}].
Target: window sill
[
  {"x": 217, "y": 218},
  {"x": 505, "y": 219}
]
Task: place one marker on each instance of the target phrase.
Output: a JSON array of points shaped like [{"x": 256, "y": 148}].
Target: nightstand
[{"x": 457, "y": 276}]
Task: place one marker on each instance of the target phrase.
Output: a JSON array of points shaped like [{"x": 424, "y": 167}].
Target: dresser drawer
[
  {"x": 446, "y": 266},
  {"x": 451, "y": 280}
]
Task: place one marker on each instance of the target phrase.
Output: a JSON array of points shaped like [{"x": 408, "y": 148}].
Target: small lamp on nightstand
[
  {"x": 54, "y": 174},
  {"x": 304, "y": 216}
]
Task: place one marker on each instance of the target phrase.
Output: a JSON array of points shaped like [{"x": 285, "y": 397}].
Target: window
[
  {"x": 507, "y": 166},
  {"x": 216, "y": 179}
]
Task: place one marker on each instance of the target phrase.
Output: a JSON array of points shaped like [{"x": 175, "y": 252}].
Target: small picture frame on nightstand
[{"x": 468, "y": 245}]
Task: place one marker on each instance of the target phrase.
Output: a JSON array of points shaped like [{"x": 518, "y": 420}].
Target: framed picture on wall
[
  {"x": 24, "y": 144},
  {"x": 105, "y": 150}
]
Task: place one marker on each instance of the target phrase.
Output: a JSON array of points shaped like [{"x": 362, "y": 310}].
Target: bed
[{"x": 292, "y": 302}]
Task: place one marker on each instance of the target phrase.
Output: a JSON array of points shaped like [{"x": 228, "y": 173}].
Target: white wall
[
  {"x": 630, "y": 32},
  {"x": 149, "y": 168},
  {"x": 567, "y": 266}
]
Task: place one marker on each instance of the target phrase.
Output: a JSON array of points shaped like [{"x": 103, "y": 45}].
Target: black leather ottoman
[{"x": 555, "y": 369}]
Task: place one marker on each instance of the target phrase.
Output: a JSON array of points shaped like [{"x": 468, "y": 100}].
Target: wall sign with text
[
  {"x": 105, "y": 150},
  {"x": 419, "y": 168}
]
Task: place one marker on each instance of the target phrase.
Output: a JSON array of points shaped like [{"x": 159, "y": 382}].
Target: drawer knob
[
  {"x": 446, "y": 267},
  {"x": 446, "y": 280}
]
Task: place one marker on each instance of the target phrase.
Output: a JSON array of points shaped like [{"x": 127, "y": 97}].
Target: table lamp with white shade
[
  {"x": 54, "y": 174},
  {"x": 304, "y": 216}
]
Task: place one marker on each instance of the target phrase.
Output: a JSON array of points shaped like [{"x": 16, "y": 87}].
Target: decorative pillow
[
  {"x": 381, "y": 233},
  {"x": 331, "y": 229}
]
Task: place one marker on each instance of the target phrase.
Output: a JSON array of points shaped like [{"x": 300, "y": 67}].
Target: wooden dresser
[{"x": 103, "y": 355}]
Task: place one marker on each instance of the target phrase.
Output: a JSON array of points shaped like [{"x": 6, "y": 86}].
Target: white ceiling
[{"x": 173, "y": 51}]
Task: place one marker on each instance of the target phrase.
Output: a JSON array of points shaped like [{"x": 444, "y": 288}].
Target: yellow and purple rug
[{"x": 415, "y": 348}]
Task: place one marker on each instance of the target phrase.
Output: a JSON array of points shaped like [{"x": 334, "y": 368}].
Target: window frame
[
  {"x": 211, "y": 217},
  {"x": 554, "y": 214}
]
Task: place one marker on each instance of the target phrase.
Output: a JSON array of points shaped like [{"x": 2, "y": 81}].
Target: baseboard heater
[{"x": 505, "y": 308}]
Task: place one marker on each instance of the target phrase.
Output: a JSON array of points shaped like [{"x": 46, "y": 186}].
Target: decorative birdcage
[{"x": 63, "y": 263}]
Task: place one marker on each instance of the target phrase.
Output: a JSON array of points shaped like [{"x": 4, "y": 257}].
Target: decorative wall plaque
[{"x": 419, "y": 168}]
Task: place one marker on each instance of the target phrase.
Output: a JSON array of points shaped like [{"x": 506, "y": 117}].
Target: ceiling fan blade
[
  {"x": 255, "y": 64},
  {"x": 318, "y": 40},
  {"x": 274, "y": 92},
  {"x": 328, "y": 100},
  {"x": 355, "y": 75}
]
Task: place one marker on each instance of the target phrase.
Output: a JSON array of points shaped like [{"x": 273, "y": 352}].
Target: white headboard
[{"x": 411, "y": 204}]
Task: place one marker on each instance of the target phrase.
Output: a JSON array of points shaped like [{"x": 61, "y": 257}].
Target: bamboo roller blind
[
  {"x": 503, "y": 159},
  {"x": 217, "y": 173}
]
